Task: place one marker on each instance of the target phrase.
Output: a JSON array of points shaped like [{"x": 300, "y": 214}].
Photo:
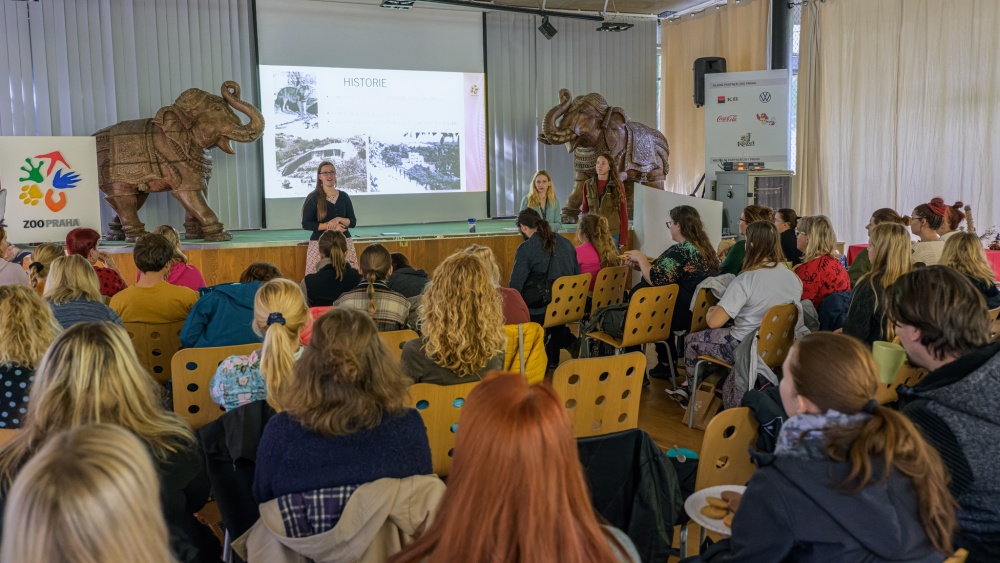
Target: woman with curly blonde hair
[
  {"x": 85, "y": 497},
  {"x": 515, "y": 310},
  {"x": 28, "y": 327},
  {"x": 463, "y": 336},
  {"x": 597, "y": 249},
  {"x": 41, "y": 260},
  {"x": 280, "y": 315},
  {"x": 91, "y": 374}
]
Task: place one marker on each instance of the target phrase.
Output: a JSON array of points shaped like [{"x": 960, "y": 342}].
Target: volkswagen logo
[{"x": 765, "y": 97}]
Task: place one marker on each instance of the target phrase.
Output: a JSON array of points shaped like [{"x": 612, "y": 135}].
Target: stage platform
[{"x": 426, "y": 245}]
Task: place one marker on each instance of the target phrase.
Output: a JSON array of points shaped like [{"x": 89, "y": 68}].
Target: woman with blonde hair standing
[
  {"x": 91, "y": 374},
  {"x": 821, "y": 273},
  {"x": 964, "y": 252},
  {"x": 515, "y": 310},
  {"x": 73, "y": 294},
  {"x": 84, "y": 497},
  {"x": 41, "y": 261},
  {"x": 280, "y": 314},
  {"x": 389, "y": 309},
  {"x": 179, "y": 271},
  {"x": 889, "y": 248},
  {"x": 597, "y": 249},
  {"x": 28, "y": 328},
  {"x": 542, "y": 198},
  {"x": 463, "y": 335}
]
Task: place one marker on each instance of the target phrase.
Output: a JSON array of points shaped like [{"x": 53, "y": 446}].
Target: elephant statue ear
[
  {"x": 613, "y": 128},
  {"x": 177, "y": 112}
]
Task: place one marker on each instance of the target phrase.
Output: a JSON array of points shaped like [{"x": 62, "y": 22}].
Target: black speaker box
[{"x": 703, "y": 66}]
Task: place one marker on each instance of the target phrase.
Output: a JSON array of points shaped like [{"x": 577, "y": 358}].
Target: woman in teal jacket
[{"x": 542, "y": 199}]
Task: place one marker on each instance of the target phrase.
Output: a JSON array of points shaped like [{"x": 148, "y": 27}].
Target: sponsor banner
[
  {"x": 49, "y": 187},
  {"x": 748, "y": 121}
]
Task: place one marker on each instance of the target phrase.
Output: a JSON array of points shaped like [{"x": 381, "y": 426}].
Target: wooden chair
[
  {"x": 569, "y": 301},
  {"x": 609, "y": 288},
  {"x": 647, "y": 320},
  {"x": 192, "y": 370},
  {"x": 699, "y": 322},
  {"x": 440, "y": 407},
  {"x": 395, "y": 339},
  {"x": 992, "y": 316},
  {"x": 908, "y": 375},
  {"x": 8, "y": 434},
  {"x": 724, "y": 458},
  {"x": 155, "y": 345},
  {"x": 601, "y": 394},
  {"x": 774, "y": 340},
  {"x": 959, "y": 557}
]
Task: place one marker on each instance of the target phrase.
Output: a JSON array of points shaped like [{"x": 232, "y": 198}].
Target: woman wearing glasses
[
  {"x": 327, "y": 209},
  {"x": 733, "y": 264},
  {"x": 926, "y": 219}
]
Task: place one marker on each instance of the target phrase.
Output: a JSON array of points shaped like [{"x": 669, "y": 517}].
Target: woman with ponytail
[
  {"x": 849, "y": 480},
  {"x": 334, "y": 275},
  {"x": 280, "y": 314},
  {"x": 952, "y": 218},
  {"x": 41, "y": 260},
  {"x": 927, "y": 218},
  {"x": 388, "y": 308}
]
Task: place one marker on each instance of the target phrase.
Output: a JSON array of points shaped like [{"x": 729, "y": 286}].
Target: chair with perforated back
[
  {"x": 395, "y": 339},
  {"x": 569, "y": 301},
  {"x": 724, "y": 458},
  {"x": 155, "y": 345},
  {"x": 440, "y": 406},
  {"x": 647, "y": 320},
  {"x": 959, "y": 557},
  {"x": 192, "y": 370},
  {"x": 774, "y": 340},
  {"x": 609, "y": 287},
  {"x": 699, "y": 322},
  {"x": 601, "y": 395},
  {"x": 8, "y": 434},
  {"x": 993, "y": 316},
  {"x": 908, "y": 375}
]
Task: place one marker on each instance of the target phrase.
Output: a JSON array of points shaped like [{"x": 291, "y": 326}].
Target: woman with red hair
[
  {"x": 516, "y": 491},
  {"x": 952, "y": 217},
  {"x": 83, "y": 241}
]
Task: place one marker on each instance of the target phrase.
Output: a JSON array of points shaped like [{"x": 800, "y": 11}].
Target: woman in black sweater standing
[{"x": 327, "y": 209}]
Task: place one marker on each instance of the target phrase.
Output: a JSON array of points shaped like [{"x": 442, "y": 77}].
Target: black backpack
[{"x": 609, "y": 319}]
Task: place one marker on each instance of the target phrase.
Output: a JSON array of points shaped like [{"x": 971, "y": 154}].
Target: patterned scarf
[{"x": 803, "y": 436}]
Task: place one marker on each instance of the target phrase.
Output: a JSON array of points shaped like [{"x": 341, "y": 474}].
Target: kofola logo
[
  {"x": 726, "y": 119},
  {"x": 764, "y": 119},
  {"x": 745, "y": 141}
]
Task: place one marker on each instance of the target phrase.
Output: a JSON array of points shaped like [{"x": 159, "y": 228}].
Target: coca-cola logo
[{"x": 726, "y": 119}]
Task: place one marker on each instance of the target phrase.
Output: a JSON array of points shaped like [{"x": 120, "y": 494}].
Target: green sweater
[
  {"x": 733, "y": 263},
  {"x": 859, "y": 267}
]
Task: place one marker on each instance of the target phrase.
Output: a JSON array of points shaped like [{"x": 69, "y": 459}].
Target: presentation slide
[{"x": 386, "y": 131}]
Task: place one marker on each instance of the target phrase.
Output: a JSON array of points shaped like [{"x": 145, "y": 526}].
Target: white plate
[{"x": 697, "y": 501}]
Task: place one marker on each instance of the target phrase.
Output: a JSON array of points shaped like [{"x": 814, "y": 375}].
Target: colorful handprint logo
[{"x": 47, "y": 188}]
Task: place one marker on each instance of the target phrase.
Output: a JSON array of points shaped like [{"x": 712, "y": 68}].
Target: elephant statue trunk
[
  {"x": 551, "y": 133},
  {"x": 243, "y": 133}
]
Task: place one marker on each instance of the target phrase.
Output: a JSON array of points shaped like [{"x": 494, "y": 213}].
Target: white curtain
[
  {"x": 77, "y": 66},
  {"x": 524, "y": 72},
  {"x": 904, "y": 106}
]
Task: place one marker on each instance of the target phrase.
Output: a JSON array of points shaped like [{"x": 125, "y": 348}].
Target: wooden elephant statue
[
  {"x": 170, "y": 153},
  {"x": 588, "y": 126}
]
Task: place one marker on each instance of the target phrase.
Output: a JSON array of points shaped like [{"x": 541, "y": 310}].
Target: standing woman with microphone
[{"x": 327, "y": 209}]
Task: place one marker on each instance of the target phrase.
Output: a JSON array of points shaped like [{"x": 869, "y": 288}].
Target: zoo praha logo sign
[{"x": 49, "y": 186}]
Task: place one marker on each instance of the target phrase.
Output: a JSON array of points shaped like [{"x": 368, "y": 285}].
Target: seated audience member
[
  {"x": 964, "y": 252},
  {"x": 41, "y": 260},
  {"x": 27, "y": 328},
  {"x": 890, "y": 258},
  {"x": 334, "y": 275},
  {"x": 152, "y": 300},
  {"x": 941, "y": 322},
  {"x": 10, "y": 272},
  {"x": 764, "y": 282},
  {"x": 542, "y": 198},
  {"x": 405, "y": 279},
  {"x": 179, "y": 272},
  {"x": 515, "y": 311},
  {"x": 83, "y": 241},
  {"x": 597, "y": 249},
  {"x": 862, "y": 263},
  {"x": 821, "y": 273},
  {"x": 509, "y": 430},
  {"x": 927, "y": 218},
  {"x": 462, "y": 326},
  {"x": 388, "y": 308},
  {"x": 280, "y": 314},
  {"x": 786, "y": 220},
  {"x": 85, "y": 497},
  {"x": 345, "y": 431},
  {"x": 725, "y": 245},
  {"x": 223, "y": 316},
  {"x": 733, "y": 262},
  {"x": 542, "y": 255},
  {"x": 952, "y": 218},
  {"x": 91, "y": 374},
  {"x": 826, "y": 494},
  {"x": 73, "y": 293},
  {"x": 686, "y": 263}
]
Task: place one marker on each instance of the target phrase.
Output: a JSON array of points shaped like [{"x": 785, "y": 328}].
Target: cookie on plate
[{"x": 714, "y": 511}]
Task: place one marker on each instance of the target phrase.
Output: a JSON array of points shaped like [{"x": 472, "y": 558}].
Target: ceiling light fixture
[
  {"x": 548, "y": 30},
  {"x": 397, "y": 4},
  {"x": 615, "y": 26}
]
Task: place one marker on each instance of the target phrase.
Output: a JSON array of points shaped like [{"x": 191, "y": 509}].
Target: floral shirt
[
  {"x": 821, "y": 277},
  {"x": 238, "y": 381},
  {"x": 681, "y": 264}
]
